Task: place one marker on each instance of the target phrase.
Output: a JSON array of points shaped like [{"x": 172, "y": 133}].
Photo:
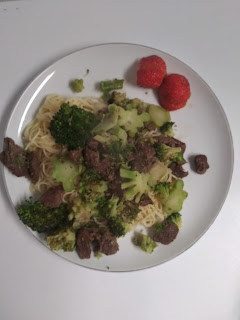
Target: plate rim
[{"x": 226, "y": 121}]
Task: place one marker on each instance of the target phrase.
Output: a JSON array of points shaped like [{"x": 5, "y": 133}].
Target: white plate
[{"x": 202, "y": 124}]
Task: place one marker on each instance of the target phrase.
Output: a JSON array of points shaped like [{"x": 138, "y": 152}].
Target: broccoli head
[
  {"x": 163, "y": 189},
  {"x": 145, "y": 243},
  {"x": 167, "y": 129},
  {"x": 108, "y": 122},
  {"x": 62, "y": 239},
  {"x": 71, "y": 126},
  {"x": 41, "y": 218},
  {"x": 109, "y": 85},
  {"x": 77, "y": 85},
  {"x": 137, "y": 185},
  {"x": 167, "y": 154},
  {"x": 176, "y": 218},
  {"x": 119, "y": 215},
  {"x": 131, "y": 121},
  {"x": 81, "y": 212},
  {"x": 66, "y": 172},
  {"x": 174, "y": 201}
]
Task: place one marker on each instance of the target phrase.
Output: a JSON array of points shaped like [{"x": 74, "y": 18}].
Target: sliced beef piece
[
  {"x": 107, "y": 244},
  {"x": 201, "y": 163},
  {"x": 143, "y": 159},
  {"x": 114, "y": 187},
  {"x": 74, "y": 156},
  {"x": 150, "y": 126},
  {"x": 145, "y": 200},
  {"x": 168, "y": 233},
  {"x": 14, "y": 158},
  {"x": 33, "y": 166},
  {"x": 85, "y": 238},
  {"x": 103, "y": 241},
  {"x": 94, "y": 158},
  {"x": 53, "y": 197},
  {"x": 178, "y": 170},
  {"x": 171, "y": 142}
]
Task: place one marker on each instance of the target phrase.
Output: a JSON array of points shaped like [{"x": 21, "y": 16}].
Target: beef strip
[
  {"x": 34, "y": 166},
  {"x": 150, "y": 126},
  {"x": 94, "y": 158},
  {"x": 14, "y": 158},
  {"x": 201, "y": 163},
  {"x": 171, "y": 142},
  {"x": 114, "y": 187},
  {"x": 103, "y": 240},
  {"x": 177, "y": 170},
  {"x": 168, "y": 234},
  {"x": 143, "y": 159},
  {"x": 74, "y": 156},
  {"x": 107, "y": 244},
  {"x": 145, "y": 200},
  {"x": 53, "y": 197},
  {"x": 84, "y": 239}
]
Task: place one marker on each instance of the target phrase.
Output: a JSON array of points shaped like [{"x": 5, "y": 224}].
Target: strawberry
[
  {"x": 174, "y": 92},
  {"x": 151, "y": 71}
]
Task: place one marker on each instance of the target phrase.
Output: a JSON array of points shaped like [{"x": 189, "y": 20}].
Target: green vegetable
[
  {"x": 119, "y": 215},
  {"x": 163, "y": 189},
  {"x": 82, "y": 211},
  {"x": 71, "y": 126},
  {"x": 66, "y": 172},
  {"x": 41, "y": 218},
  {"x": 109, "y": 121},
  {"x": 167, "y": 154},
  {"x": 179, "y": 158},
  {"x": 167, "y": 129},
  {"x": 77, "y": 85},
  {"x": 158, "y": 115},
  {"x": 119, "y": 98},
  {"x": 145, "y": 243},
  {"x": 175, "y": 199},
  {"x": 131, "y": 121},
  {"x": 137, "y": 185},
  {"x": 87, "y": 178},
  {"x": 174, "y": 217},
  {"x": 62, "y": 239},
  {"x": 110, "y": 85}
]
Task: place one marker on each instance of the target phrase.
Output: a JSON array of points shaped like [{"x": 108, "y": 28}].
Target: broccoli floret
[
  {"x": 137, "y": 185},
  {"x": 82, "y": 211},
  {"x": 179, "y": 158},
  {"x": 77, "y": 85},
  {"x": 109, "y": 120},
  {"x": 145, "y": 243},
  {"x": 62, "y": 239},
  {"x": 163, "y": 189},
  {"x": 119, "y": 98},
  {"x": 87, "y": 178},
  {"x": 176, "y": 197},
  {"x": 117, "y": 226},
  {"x": 158, "y": 115},
  {"x": 131, "y": 121},
  {"x": 167, "y": 129},
  {"x": 119, "y": 215},
  {"x": 176, "y": 218},
  {"x": 71, "y": 126},
  {"x": 41, "y": 218},
  {"x": 110, "y": 85},
  {"x": 65, "y": 172},
  {"x": 167, "y": 154}
]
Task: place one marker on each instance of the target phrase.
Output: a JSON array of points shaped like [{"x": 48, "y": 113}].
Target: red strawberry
[
  {"x": 174, "y": 92},
  {"x": 151, "y": 71}
]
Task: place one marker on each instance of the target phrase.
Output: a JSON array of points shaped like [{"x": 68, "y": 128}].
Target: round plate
[{"x": 202, "y": 124}]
